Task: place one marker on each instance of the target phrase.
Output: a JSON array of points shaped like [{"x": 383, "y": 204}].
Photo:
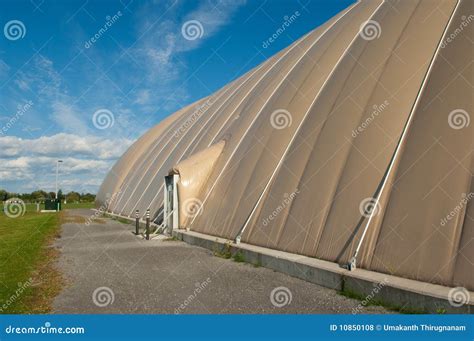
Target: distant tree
[
  {"x": 88, "y": 197},
  {"x": 73, "y": 197},
  {"x": 60, "y": 195},
  {"x": 25, "y": 196},
  {"x": 13, "y": 195},
  {"x": 39, "y": 195},
  {"x": 3, "y": 195}
]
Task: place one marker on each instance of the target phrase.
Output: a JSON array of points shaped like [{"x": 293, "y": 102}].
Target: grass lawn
[
  {"x": 78, "y": 205},
  {"x": 28, "y": 279}
]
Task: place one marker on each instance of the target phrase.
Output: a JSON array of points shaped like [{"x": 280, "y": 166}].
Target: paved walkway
[{"x": 109, "y": 270}]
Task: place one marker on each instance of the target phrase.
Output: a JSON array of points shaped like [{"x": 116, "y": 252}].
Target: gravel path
[{"x": 110, "y": 270}]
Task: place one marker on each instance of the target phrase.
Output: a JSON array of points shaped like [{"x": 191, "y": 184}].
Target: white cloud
[
  {"x": 143, "y": 97},
  {"x": 161, "y": 43},
  {"x": 29, "y": 164},
  {"x": 212, "y": 15},
  {"x": 62, "y": 145},
  {"x": 68, "y": 117}
]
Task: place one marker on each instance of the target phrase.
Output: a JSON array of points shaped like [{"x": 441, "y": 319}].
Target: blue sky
[{"x": 127, "y": 61}]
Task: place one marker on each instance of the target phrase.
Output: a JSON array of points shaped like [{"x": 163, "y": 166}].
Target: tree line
[{"x": 40, "y": 195}]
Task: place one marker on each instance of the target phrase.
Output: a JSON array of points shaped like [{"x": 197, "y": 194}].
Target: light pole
[{"x": 57, "y": 172}]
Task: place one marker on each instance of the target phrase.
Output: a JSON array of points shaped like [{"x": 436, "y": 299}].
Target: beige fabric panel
[
  {"x": 193, "y": 174},
  {"x": 237, "y": 166},
  {"x": 433, "y": 176}
]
